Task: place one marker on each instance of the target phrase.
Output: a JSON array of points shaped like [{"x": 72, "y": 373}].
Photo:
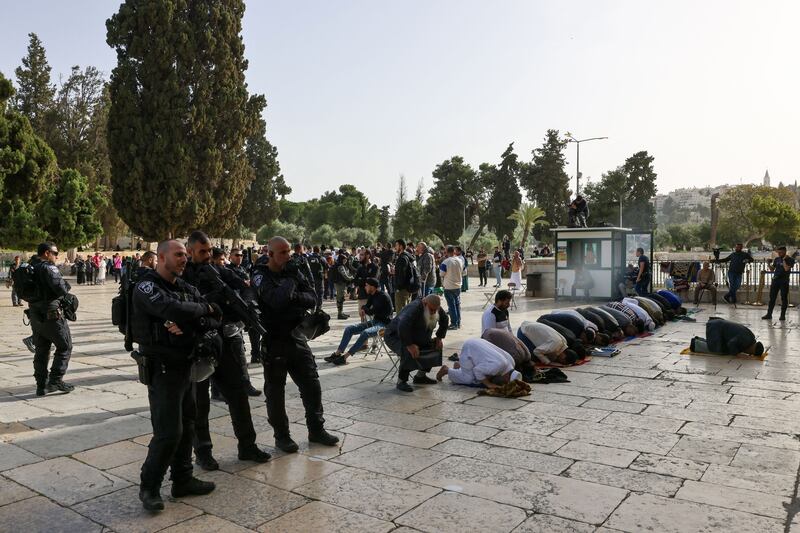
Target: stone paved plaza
[{"x": 647, "y": 441}]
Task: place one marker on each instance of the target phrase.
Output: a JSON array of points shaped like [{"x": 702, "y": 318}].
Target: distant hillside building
[{"x": 766, "y": 179}]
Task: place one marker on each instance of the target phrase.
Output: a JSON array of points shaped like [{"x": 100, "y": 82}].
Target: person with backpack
[
  {"x": 41, "y": 285},
  {"x": 406, "y": 276},
  {"x": 15, "y": 300}
]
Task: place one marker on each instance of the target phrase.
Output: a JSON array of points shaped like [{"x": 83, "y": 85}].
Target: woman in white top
[{"x": 516, "y": 270}]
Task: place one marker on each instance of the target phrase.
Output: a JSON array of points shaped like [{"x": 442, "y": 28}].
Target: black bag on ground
[{"x": 427, "y": 359}]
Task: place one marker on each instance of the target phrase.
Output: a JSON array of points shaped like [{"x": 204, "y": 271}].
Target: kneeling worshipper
[
  {"x": 546, "y": 344},
  {"x": 644, "y": 316},
  {"x": 674, "y": 301},
  {"x": 481, "y": 363},
  {"x": 622, "y": 320},
  {"x": 576, "y": 325},
  {"x": 666, "y": 305},
  {"x": 622, "y": 312},
  {"x": 652, "y": 308},
  {"x": 573, "y": 343},
  {"x": 507, "y": 342},
  {"x": 605, "y": 323},
  {"x": 725, "y": 337}
]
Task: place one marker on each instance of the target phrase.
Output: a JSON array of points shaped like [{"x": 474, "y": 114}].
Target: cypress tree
[
  {"x": 35, "y": 93},
  {"x": 505, "y": 196},
  {"x": 180, "y": 115}
]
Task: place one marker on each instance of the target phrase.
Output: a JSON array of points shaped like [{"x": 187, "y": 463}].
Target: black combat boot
[
  {"x": 321, "y": 436},
  {"x": 286, "y": 444},
  {"x": 151, "y": 499},
  {"x": 192, "y": 487}
]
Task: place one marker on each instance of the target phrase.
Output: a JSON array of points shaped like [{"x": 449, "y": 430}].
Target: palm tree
[{"x": 528, "y": 216}]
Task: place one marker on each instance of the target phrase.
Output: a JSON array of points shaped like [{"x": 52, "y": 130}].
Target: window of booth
[{"x": 591, "y": 254}]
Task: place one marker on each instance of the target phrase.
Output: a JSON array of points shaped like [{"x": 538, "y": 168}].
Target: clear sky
[{"x": 363, "y": 91}]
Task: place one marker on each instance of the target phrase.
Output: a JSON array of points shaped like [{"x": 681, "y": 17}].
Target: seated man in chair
[
  {"x": 724, "y": 337},
  {"x": 706, "y": 281},
  {"x": 410, "y": 332},
  {"x": 379, "y": 307}
]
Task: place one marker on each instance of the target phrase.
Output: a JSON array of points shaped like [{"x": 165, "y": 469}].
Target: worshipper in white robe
[
  {"x": 643, "y": 315},
  {"x": 481, "y": 363}
]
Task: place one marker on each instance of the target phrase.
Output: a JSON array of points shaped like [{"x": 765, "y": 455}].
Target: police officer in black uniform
[
  {"x": 167, "y": 317},
  {"x": 285, "y": 295},
  {"x": 48, "y": 325},
  {"x": 258, "y": 268},
  {"x": 235, "y": 266},
  {"x": 228, "y": 376},
  {"x": 318, "y": 266}
]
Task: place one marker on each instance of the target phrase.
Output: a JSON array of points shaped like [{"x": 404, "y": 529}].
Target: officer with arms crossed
[
  {"x": 48, "y": 324},
  {"x": 230, "y": 375},
  {"x": 285, "y": 296},
  {"x": 168, "y": 316}
]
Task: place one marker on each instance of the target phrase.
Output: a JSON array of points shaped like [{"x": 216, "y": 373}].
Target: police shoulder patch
[
  {"x": 53, "y": 268},
  {"x": 257, "y": 279},
  {"x": 146, "y": 287}
]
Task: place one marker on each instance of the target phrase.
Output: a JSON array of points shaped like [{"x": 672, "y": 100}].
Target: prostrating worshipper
[
  {"x": 605, "y": 323},
  {"x": 664, "y": 304},
  {"x": 378, "y": 306},
  {"x": 648, "y": 321},
  {"x": 674, "y": 302},
  {"x": 410, "y": 332},
  {"x": 497, "y": 315},
  {"x": 639, "y": 317},
  {"x": 481, "y": 363},
  {"x": 628, "y": 321},
  {"x": 548, "y": 345},
  {"x": 652, "y": 308},
  {"x": 600, "y": 338},
  {"x": 573, "y": 343},
  {"x": 725, "y": 337},
  {"x": 506, "y": 341},
  {"x": 576, "y": 324}
]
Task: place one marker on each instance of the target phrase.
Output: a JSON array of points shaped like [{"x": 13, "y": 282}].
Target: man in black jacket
[
  {"x": 342, "y": 276},
  {"x": 737, "y": 260},
  {"x": 724, "y": 337},
  {"x": 410, "y": 331},
  {"x": 230, "y": 375},
  {"x": 403, "y": 265},
  {"x": 167, "y": 316},
  {"x": 48, "y": 325},
  {"x": 318, "y": 266},
  {"x": 285, "y": 296},
  {"x": 379, "y": 307},
  {"x": 780, "y": 268}
]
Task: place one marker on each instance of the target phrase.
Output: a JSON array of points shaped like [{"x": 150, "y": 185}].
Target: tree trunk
[
  {"x": 712, "y": 241},
  {"x": 475, "y": 237}
]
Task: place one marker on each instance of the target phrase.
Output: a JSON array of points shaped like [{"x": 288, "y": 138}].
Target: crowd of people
[{"x": 189, "y": 305}]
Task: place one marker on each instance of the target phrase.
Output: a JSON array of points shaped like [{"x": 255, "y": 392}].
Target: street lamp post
[{"x": 571, "y": 139}]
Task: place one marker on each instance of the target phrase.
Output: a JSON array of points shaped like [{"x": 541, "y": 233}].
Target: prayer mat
[
  {"x": 688, "y": 351},
  {"x": 634, "y": 337},
  {"x": 579, "y": 362},
  {"x": 512, "y": 389}
]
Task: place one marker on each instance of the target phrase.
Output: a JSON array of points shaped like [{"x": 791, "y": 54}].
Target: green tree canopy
[
  {"x": 640, "y": 179},
  {"x": 504, "y": 195},
  {"x": 68, "y": 212},
  {"x": 409, "y": 222},
  {"x": 324, "y": 235},
  {"x": 180, "y": 115},
  {"x": 604, "y": 197},
  {"x": 457, "y": 191},
  {"x": 27, "y": 171},
  {"x": 527, "y": 217},
  {"x": 742, "y": 219},
  {"x": 545, "y": 179}
]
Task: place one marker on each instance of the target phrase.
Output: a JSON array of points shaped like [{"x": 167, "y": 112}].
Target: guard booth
[{"x": 590, "y": 262}]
